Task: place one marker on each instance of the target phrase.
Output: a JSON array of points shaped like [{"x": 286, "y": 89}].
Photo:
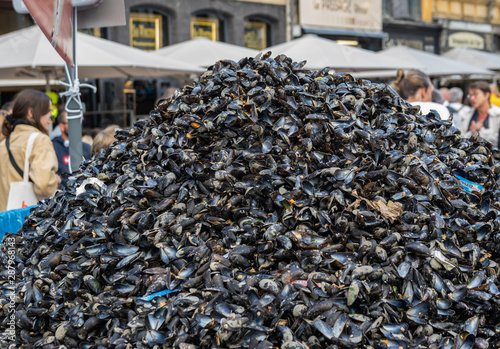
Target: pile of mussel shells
[{"x": 267, "y": 206}]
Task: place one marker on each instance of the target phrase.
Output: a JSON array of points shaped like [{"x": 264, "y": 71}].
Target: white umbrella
[
  {"x": 485, "y": 60},
  {"x": 320, "y": 53},
  {"x": 204, "y": 52},
  {"x": 432, "y": 64},
  {"x": 28, "y": 54}
]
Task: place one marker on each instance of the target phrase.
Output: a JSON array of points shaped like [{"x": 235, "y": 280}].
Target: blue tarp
[{"x": 11, "y": 221}]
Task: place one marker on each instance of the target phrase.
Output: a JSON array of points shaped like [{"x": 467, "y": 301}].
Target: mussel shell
[{"x": 325, "y": 330}]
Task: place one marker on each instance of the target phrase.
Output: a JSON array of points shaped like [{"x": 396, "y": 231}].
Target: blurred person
[
  {"x": 87, "y": 136},
  {"x": 94, "y": 131},
  {"x": 456, "y": 107},
  {"x": 111, "y": 129},
  {"x": 456, "y": 95},
  {"x": 8, "y": 107},
  {"x": 482, "y": 117},
  {"x": 54, "y": 97},
  {"x": 31, "y": 113},
  {"x": 445, "y": 92},
  {"x": 3, "y": 114},
  {"x": 495, "y": 95},
  {"x": 416, "y": 87},
  {"x": 104, "y": 139},
  {"x": 61, "y": 146},
  {"x": 88, "y": 139},
  {"x": 437, "y": 97},
  {"x": 56, "y": 131},
  {"x": 6, "y": 110}
]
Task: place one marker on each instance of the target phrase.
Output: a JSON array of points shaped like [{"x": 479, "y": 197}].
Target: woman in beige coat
[{"x": 30, "y": 113}]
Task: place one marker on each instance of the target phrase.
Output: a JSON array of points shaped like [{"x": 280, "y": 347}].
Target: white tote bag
[{"x": 22, "y": 194}]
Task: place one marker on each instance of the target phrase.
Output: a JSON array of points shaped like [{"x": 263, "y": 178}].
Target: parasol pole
[{"x": 74, "y": 106}]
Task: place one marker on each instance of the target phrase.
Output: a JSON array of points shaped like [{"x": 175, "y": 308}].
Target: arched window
[
  {"x": 209, "y": 25},
  {"x": 149, "y": 28},
  {"x": 258, "y": 33}
]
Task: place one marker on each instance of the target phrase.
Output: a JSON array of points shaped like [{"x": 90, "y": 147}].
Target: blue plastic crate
[{"x": 11, "y": 221}]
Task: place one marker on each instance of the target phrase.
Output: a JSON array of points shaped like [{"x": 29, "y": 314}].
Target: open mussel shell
[
  {"x": 392, "y": 344},
  {"x": 395, "y": 331},
  {"x": 476, "y": 281},
  {"x": 459, "y": 294},
  {"x": 325, "y": 330},
  {"x": 418, "y": 248},
  {"x": 418, "y": 313},
  {"x": 404, "y": 269}
]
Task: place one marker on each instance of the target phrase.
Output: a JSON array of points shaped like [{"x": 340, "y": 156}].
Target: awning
[
  {"x": 203, "y": 52},
  {"x": 343, "y": 32},
  {"x": 432, "y": 64},
  {"x": 320, "y": 52}
]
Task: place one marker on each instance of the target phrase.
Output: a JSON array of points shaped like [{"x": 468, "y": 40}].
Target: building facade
[
  {"x": 439, "y": 25},
  {"x": 152, "y": 24},
  {"x": 350, "y": 22},
  {"x": 404, "y": 25},
  {"x": 473, "y": 24}
]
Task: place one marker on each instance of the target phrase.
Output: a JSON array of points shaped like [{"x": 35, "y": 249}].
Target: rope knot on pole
[{"x": 73, "y": 94}]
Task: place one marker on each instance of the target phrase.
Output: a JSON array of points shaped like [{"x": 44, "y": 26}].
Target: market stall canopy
[
  {"x": 16, "y": 84},
  {"x": 432, "y": 64},
  {"x": 204, "y": 52},
  {"x": 28, "y": 54},
  {"x": 320, "y": 53},
  {"x": 485, "y": 60}
]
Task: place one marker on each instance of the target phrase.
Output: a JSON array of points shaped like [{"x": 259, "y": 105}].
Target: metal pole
[
  {"x": 288, "y": 21},
  {"x": 75, "y": 113},
  {"x": 47, "y": 80}
]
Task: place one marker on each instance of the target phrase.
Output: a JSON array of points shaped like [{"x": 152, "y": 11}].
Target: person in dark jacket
[{"x": 61, "y": 146}]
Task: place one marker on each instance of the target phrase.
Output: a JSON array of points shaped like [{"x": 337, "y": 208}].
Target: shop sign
[
  {"x": 417, "y": 44},
  {"x": 411, "y": 39},
  {"x": 466, "y": 39},
  {"x": 206, "y": 27},
  {"x": 348, "y": 14},
  {"x": 255, "y": 35},
  {"x": 146, "y": 31}
]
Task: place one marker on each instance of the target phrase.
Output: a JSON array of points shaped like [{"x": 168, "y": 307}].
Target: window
[
  {"x": 205, "y": 27},
  {"x": 401, "y": 9},
  {"x": 257, "y": 34},
  {"x": 387, "y": 8},
  {"x": 208, "y": 25},
  {"x": 149, "y": 28}
]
